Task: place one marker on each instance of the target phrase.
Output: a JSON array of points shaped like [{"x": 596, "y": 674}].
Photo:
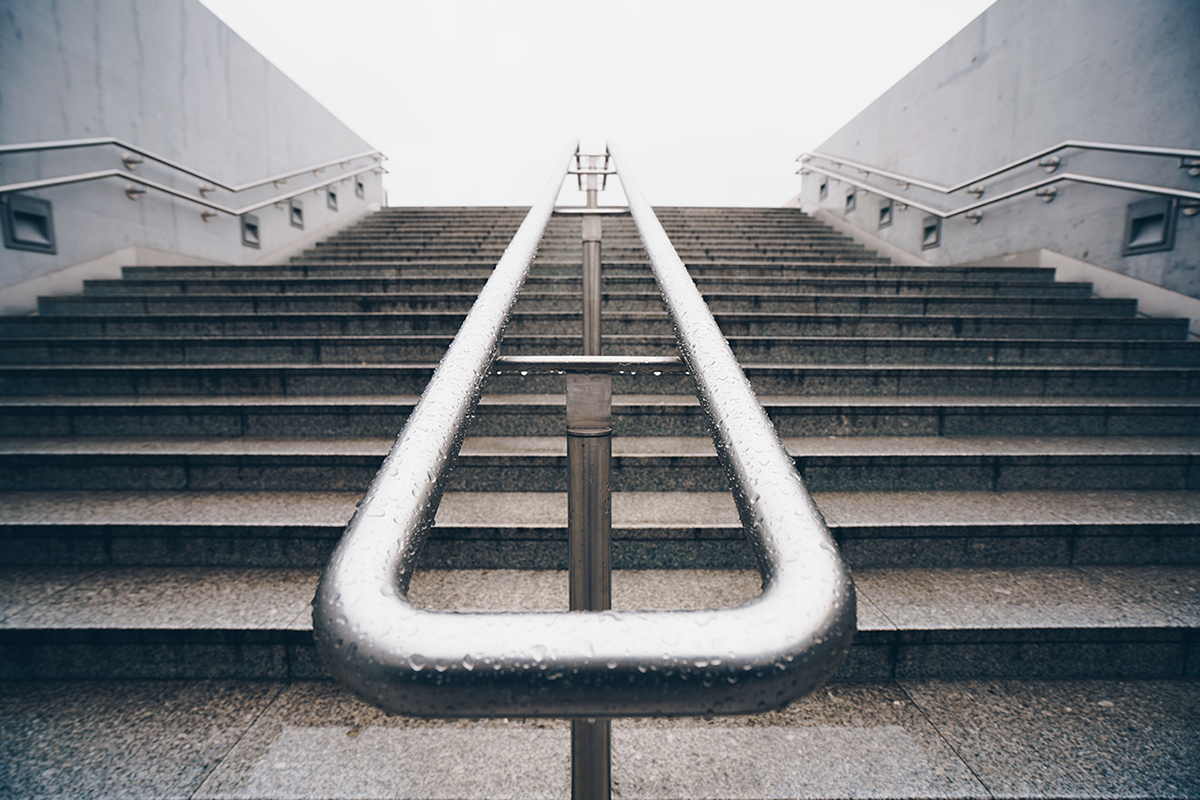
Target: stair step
[
  {"x": 431, "y": 347},
  {"x": 633, "y": 415},
  {"x": 904, "y": 463},
  {"x": 569, "y": 321},
  {"x": 719, "y": 302},
  {"x": 291, "y": 271},
  {"x": 645, "y": 283},
  {"x": 650, "y": 529},
  {"x": 926, "y": 624},
  {"x": 409, "y": 379}
]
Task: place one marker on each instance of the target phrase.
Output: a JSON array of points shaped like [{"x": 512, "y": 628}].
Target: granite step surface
[
  {"x": 768, "y": 379},
  {"x": 798, "y": 284},
  {"x": 274, "y": 271},
  {"x": 927, "y": 624},
  {"x": 569, "y": 321},
  {"x": 418, "y": 347},
  {"x": 527, "y": 463},
  {"x": 651, "y": 530},
  {"x": 719, "y": 302},
  {"x": 633, "y": 415}
]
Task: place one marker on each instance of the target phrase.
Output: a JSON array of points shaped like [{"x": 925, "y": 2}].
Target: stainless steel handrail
[
  {"x": 1111, "y": 183},
  {"x": 1170, "y": 152},
  {"x": 65, "y": 144},
  {"x": 83, "y": 177},
  {"x": 751, "y": 658}
]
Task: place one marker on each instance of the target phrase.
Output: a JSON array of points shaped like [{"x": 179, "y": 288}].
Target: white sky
[{"x": 473, "y": 101}]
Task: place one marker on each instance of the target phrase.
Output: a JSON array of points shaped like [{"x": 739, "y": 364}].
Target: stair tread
[
  {"x": 910, "y": 599},
  {"x": 619, "y": 400},
  {"x": 637, "y": 446},
  {"x": 630, "y": 509}
]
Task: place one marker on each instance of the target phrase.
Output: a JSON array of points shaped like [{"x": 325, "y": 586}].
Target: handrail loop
[
  {"x": 752, "y": 658},
  {"x": 974, "y": 186}
]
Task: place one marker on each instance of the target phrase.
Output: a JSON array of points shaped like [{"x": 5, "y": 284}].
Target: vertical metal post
[
  {"x": 591, "y": 271},
  {"x": 589, "y": 507}
]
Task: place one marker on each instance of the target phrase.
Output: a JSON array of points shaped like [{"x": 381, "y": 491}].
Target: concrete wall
[
  {"x": 1026, "y": 75},
  {"x": 170, "y": 77}
]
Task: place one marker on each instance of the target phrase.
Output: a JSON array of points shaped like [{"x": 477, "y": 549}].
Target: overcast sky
[{"x": 473, "y": 101}]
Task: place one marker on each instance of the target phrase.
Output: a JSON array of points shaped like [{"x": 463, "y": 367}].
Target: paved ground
[{"x": 239, "y": 739}]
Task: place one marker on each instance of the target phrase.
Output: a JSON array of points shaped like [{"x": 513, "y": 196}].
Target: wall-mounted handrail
[
  {"x": 754, "y": 657},
  {"x": 1050, "y": 180},
  {"x": 30, "y": 147},
  {"x": 1169, "y": 152},
  {"x": 83, "y": 177}
]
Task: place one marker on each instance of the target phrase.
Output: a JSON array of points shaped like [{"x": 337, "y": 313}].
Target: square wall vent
[
  {"x": 250, "y": 235},
  {"x": 851, "y": 200},
  {"x": 931, "y": 233},
  {"x": 296, "y": 213},
  {"x": 28, "y": 223},
  {"x": 331, "y": 198},
  {"x": 885, "y": 213},
  {"x": 1149, "y": 226}
]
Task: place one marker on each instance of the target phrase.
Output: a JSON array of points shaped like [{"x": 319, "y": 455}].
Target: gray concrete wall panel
[
  {"x": 170, "y": 77},
  {"x": 1024, "y": 76}
]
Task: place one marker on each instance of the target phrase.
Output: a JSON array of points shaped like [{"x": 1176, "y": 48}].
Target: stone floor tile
[
  {"x": 844, "y": 741},
  {"x": 316, "y": 741},
  {"x": 120, "y": 739},
  {"x": 1071, "y": 738}
]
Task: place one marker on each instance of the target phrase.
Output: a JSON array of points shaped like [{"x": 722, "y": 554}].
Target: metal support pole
[
  {"x": 589, "y": 507},
  {"x": 591, "y": 271},
  {"x": 589, "y": 524},
  {"x": 591, "y": 284},
  {"x": 589, "y": 499}
]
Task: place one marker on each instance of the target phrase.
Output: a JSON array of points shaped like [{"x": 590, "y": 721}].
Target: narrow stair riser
[
  {"x": 156, "y": 544},
  {"x": 862, "y": 381},
  {"x": 569, "y": 323},
  {"x": 629, "y": 419},
  {"x": 418, "y": 348}
]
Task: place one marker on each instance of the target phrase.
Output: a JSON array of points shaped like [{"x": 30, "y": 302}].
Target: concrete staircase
[{"x": 1009, "y": 464}]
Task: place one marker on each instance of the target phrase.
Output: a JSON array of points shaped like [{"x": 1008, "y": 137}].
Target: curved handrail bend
[{"x": 752, "y": 658}]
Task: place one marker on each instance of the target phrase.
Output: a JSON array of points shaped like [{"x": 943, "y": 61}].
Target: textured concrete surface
[
  {"x": 33, "y": 586},
  {"x": 956, "y": 599},
  {"x": 629, "y": 445},
  {"x": 1072, "y": 738},
  {"x": 164, "y": 598},
  {"x": 239, "y": 739},
  {"x": 629, "y": 508},
  {"x": 116, "y": 739},
  {"x": 1016, "y": 598},
  {"x": 474, "y": 590}
]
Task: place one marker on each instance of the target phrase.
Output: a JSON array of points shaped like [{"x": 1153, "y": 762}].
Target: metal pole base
[{"x": 591, "y": 771}]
